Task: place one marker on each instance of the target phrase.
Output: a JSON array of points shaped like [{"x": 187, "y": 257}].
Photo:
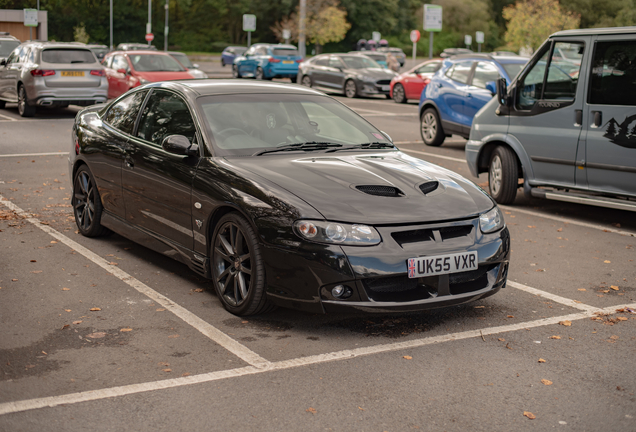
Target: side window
[
  {"x": 31, "y": 57},
  {"x": 613, "y": 74},
  {"x": 165, "y": 114},
  {"x": 123, "y": 114},
  {"x": 250, "y": 51},
  {"x": 335, "y": 62},
  {"x": 460, "y": 72},
  {"x": 107, "y": 62},
  {"x": 322, "y": 61},
  {"x": 261, "y": 51},
  {"x": 429, "y": 68},
  {"x": 563, "y": 72},
  {"x": 485, "y": 72},
  {"x": 13, "y": 58},
  {"x": 530, "y": 87},
  {"x": 24, "y": 54},
  {"x": 119, "y": 62}
]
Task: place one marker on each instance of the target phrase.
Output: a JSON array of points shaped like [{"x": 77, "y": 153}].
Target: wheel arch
[
  {"x": 493, "y": 141},
  {"x": 429, "y": 104},
  {"x": 218, "y": 213}
]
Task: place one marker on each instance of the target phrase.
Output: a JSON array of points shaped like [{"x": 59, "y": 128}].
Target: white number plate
[
  {"x": 442, "y": 264},
  {"x": 386, "y": 88}
]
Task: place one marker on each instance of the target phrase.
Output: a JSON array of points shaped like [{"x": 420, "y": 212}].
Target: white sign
[
  {"x": 286, "y": 34},
  {"x": 249, "y": 22},
  {"x": 415, "y": 36},
  {"x": 468, "y": 40},
  {"x": 479, "y": 37},
  {"x": 31, "y": 17},
  {"x": 376, "y": 36},
  {"x": 432, "y": 18}
]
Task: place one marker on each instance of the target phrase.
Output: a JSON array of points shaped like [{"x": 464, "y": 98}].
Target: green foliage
[{"x": 80, "y": 35}]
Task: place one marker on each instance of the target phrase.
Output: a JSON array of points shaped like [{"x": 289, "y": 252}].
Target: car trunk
[{"x": 72, "y": 68}]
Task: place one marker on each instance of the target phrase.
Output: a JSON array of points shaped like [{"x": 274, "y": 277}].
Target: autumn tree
[{"x": 530, "y": 22}]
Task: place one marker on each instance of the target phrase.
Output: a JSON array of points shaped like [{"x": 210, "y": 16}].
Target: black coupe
[{"x": 282, "y": 195}]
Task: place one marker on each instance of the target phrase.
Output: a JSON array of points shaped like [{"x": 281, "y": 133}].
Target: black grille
[
  {"x": 387, "y": 191},
  {"x": 465, "y": 282},
  {"x": 429, "y": 186},
  {"x": 383, "y": 82},
  {"x": 451, "y": 232},
  {"x": 415, "y": 236},
  {"x": 393, "y": 284}
]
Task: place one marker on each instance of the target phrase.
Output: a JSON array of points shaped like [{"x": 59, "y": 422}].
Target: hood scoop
[
  {"x": 429, "y": 187},
  {"x": 379, "y": 190}
]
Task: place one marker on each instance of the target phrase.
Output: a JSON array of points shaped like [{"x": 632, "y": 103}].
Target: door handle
[
  {"x": 129, "y": 162},
  {"x": 578, "y": 117},
  {"x": 598, "y": 118},
  {"x": 469, "y": 95}
]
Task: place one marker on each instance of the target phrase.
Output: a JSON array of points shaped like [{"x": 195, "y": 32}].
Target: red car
[
  {"x": 409, "y": 84},
  {"x": 128, "y": 69}
]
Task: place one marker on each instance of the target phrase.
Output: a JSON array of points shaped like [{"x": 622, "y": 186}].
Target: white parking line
[
  {"x": 555, "y": 298},
  {"x": 433, "y": 155},
  {"x": 208, "y": 330},
  {"x": 92, "y": 395},
  {"x": 9, "y": 118},
  {"x": 35, "y": 154}
]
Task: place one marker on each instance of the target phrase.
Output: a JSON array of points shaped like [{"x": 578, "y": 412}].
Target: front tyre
[
  {"x": 306, "y": 81},
  {"x": 294, "y": 80},
  {"x": 399, "y": 96},
  {"x": 259, "y": 75},
  {"x": 87, "y": 204},
  {"x": 503, "y": 175},
  {"x": 431, "y": 128},
  {"x": 24, "y": 109},
  {"x": 351, "y": 90},
  {"x": 238, "y": 274},
  {"x": 235, "y": 72}
]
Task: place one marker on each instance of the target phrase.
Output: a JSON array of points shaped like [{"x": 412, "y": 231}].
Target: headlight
[
  {"x": 143, "y": 81},
  {"x": 367, "y": 79},
  {"x": 491, "y": 221},
  {"x": 337, "y": 233}
]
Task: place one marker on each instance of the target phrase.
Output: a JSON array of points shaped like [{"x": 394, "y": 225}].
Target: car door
[
  {"x": 546, "y": 116},
  {"x": 13, "y": 71},
  {"x": 5, "y": 81},
  {"x": 318, "y": 71},
  {"x": 157, "y": 184},
  {"x": 452, "y": 91},
  {"x": 609, "y": 120},
  {"x": 334, "y": 75},
  {"x": 247, "y": 65},
  {"x": 477, "y": 95},
  {"x": 415, "y": 81},
  {"x": 117, "y": 77}
]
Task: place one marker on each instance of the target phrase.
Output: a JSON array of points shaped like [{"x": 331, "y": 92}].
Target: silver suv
[
  {"x": 7, "y": 44},
  {"x": 51, "y": 74}
]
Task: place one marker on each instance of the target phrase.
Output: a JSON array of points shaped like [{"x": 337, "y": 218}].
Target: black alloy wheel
[
  {"x": 306, "y": 81},
  {"x": 238, "y": 273},
  {"x": 351, "y": 89},
  {"x": 431, "y": 129},
  {"x": 24, "y": 109},
  {"x": 235, "y": 72},
  {"x": 399, "y": 96},
  {"x": 87, "y": 204},
  {"x": 259, "y": 75},
  {"x": 503, "y": 175}
]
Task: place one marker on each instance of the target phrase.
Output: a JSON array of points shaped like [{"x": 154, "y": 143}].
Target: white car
[{"x": 192, "y": 68}]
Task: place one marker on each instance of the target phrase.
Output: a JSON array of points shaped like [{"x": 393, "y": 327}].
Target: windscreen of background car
[
  {"x": 512, "y": 69},
  {"x": 6, "y": 46},
  {"x": 285, "y": 52},
  {"x": 184, "y": 60},
  {"x": 359, "y": 62},
  {"x": 154, "y": 63},
  {"x": 244, "y": 124},
  {"x": 65, "y": 55}
]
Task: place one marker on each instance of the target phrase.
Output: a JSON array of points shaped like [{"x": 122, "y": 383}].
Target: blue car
[
  {"x": 463, "y": 85},
  {"x": 267, "y": 61},
  {"x": 230, "y": 53}
]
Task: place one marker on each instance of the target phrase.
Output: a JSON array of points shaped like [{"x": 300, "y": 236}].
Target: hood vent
[
  {"x": 386, "y": 191},
  {"x": 429, "y": 187}
]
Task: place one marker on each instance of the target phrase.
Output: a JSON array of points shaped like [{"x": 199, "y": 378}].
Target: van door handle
[
  {"x": 578, "y": 117},
  {"x": 598, "y": 118}
]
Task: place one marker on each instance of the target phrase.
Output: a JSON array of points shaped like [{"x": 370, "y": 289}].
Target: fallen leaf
[
  {"x": 607, "y": 262},
  {"x": 53, "y": 242},
  {"x": 185, "y": 374},
  {"x": 511, "y": 316},
  {"x": 198, "y": 290},
  {"x": 244, "y": 322},
  {"x": 531, "y": 226},
  {"x": 408, "y": 357},
  {"x": 14, "y": 280},
  {"x": 546, "y": 382},
  {"x": 560, "y": 229},
  {"x": 604, "y": 291},
  {"x": 33, "y": 261},
  {"x": 529, "y": 415},
  {"x": 77, "y": 322},
  {"x": 66, "y": 289},
  {"x": 36, "y": 271},
  {"x": 65, "y": 326},
  {"x": 163, "y": 364},
  {"x": 95, "y": 309},
  {"x": 173, "y": 336},
  {"x": 311, "y": 410},
  {"x": 614, "y": 337},
  {"x": 361, "y": 409},
  {"x": 96, "y": 335},
  {"x": 127, "y": 329},
  {"x": 167, "y": 370},
  {"x": 67, "y": 310},
  {"x": 160, "y": 310},
  {"x": 565, "y": 323},
  {"x": 621, "y": 318},
  {"x": 582, "y": 289},
  {"x": 479, "y": 307},
  {"x": 541, "y": 360},
  {"x": 555, "y": 337},
  {"x": 614, "y": 287},
  {"x": 501, "y": 340},
  {"x": 113, "y": 263}
]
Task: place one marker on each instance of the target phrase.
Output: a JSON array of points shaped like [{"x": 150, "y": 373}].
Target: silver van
[{"x": 566, "y": 125}]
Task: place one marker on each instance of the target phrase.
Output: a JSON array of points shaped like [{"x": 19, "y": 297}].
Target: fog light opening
[{"x": 341, "y": 292}]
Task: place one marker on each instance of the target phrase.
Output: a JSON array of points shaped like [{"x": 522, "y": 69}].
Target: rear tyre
[
  {"x": 87, "y": 204},
  {"x": 399, "y": 96},
  {"x": 306, "y": 81},
  {"x": 431, "y": 128},
  {"x": 235, "y": 72},
  {"x": 2, "y": 104},
  {"x": 351, "y": 90},
  {"x": 503, "y": 175},
  {"x": 259, "y": 75},
  {"x": 24, "y": 109},
  {"x": 294, "y": 80},
  {"x": 238, "y": 273}
]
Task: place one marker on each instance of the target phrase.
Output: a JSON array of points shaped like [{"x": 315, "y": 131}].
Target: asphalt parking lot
[{"x": 103, "y": 334}]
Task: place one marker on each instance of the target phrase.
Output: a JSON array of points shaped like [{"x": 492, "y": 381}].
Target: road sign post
[
  {"x": 479, "y": 38},
  {"x": 415, "y": 36},
  {"x": 150, "y": 37},
  {"x": 30, "y": 20},
  {"x": 432, "y": 23},
  {"x": 249, "y": 25},
  {"x": 468, "y": 40},
  {"x": 286, "y": 35}
]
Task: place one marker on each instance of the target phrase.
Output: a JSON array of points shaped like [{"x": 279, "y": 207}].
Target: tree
[
  {"x": 465, "y": 17},
  {"x": 530, "y": 22},
  {"x": 79, "y": 33}
]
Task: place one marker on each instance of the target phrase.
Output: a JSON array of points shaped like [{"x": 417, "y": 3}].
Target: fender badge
[
  {"x": 197, "y": 205},
  {"x": 199, "y": 223}
]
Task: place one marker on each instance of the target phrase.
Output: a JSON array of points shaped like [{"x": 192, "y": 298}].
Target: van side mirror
[
  {"x": 492, "y": 87},
  {"x": 502, "y": 92}
]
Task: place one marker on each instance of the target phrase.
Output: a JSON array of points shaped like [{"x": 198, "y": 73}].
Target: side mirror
[
  {"x": 492, "y": 87},
  {"x": 195, "y": 65},
  {"x": 502, "y": 92},
  {"x": 179, "y": 145}
]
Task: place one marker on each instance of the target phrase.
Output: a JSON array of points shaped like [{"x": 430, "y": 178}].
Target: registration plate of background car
[
  {"x": 288, "y": 62},
  {"x": 73, "y": 73},
  {"x": 386, "y": 88},
  {"x": 442, "y": 264}
]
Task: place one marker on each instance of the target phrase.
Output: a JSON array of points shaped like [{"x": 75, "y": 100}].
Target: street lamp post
[
  {"x": 111, "y": 25},
  {"x": 165, "y": 30},
  {"x": 149, "y": 26},
  {"x": 301, "y": 28}
]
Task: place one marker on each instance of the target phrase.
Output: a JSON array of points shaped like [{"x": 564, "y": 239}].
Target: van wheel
[
  {"x": 431, "y": 128},
  {"x": 503, "y": 175}
]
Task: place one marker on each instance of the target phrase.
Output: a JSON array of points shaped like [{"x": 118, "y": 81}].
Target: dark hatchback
[
  {"x": 351, "y": 74},
  {"x": 283, "y": 196}
]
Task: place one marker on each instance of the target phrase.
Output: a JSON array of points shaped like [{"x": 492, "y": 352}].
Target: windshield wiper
[
  {"x": 373, "y": 145},
  {"x": 306, "y": 146}
]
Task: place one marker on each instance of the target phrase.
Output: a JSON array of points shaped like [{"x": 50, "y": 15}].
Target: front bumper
[
  {"x": 472, "y": 156},
  {"x": 281, "y": 72},
  {"x": 377, "y": 275},
  {"x": 382, "y": 87}
]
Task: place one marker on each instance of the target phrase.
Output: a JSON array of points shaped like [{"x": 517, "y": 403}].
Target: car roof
[
  {"x": 42, "y": 44},
  {"x": 595, "y": 31},
  {"x": 226, "y": 87},
  {"x": 138, "y": 52},
  {"x": 499, "y": 59}
]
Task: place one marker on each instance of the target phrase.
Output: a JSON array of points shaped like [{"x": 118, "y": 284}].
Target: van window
[
  {"x": 613, "y": 74},
  {"x": 563, "y": 74},
  {"x": 531, "y": 86}
]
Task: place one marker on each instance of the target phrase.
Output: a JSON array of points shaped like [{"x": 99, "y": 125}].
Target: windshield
[
  {"x": 512, "y": 69},
  {"x": 155, "y": 63},
  {"x": 359, "y": 62},
  {"x": 6, "y": 46},
  {"x": 184, "y": 60},
  {"x": 67, "y": 56},
  {"x": 285, "y": 52},
  {"x": 377, "y": 57},
  {"x": 245, "y": 124}
]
